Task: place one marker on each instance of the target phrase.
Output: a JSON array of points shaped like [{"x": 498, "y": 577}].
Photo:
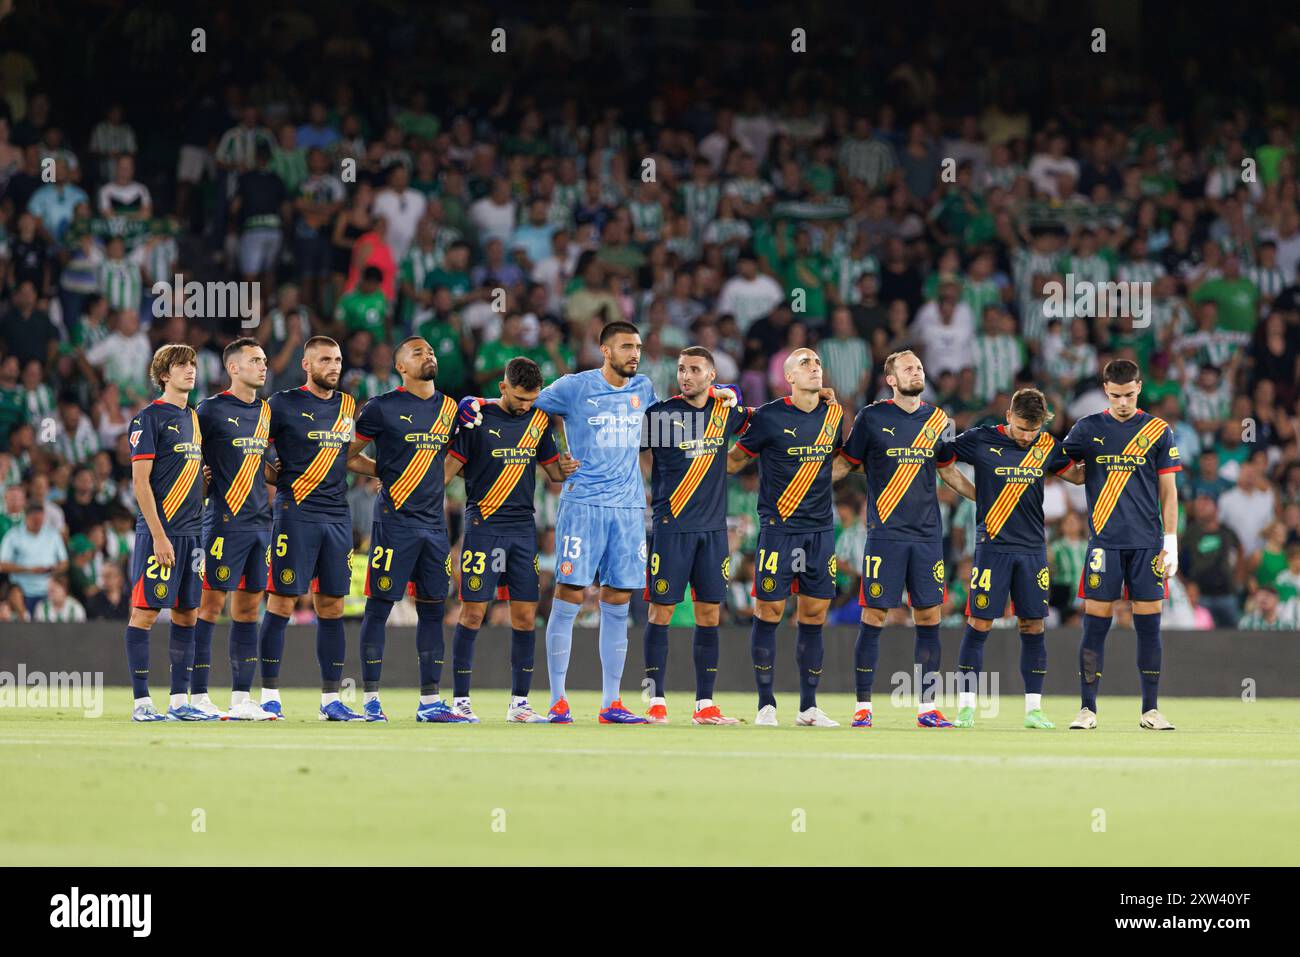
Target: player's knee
[
  {"x": 281, "y": 605},
  {"x": 1099, "y": 609},
  {"x": 614, "y": 596},
  {"x": 708, "y": 615},
  {"x": 812, "y": 613},
  {"x": 430, "y": 611},
  {"x": 328, "y": 606},
  {"x": 471, "y": 614},
  {"x": 1031, "y": 626},
  {"x": 979, "y": 624},
  {"x": 663, "y": 614},
  {"x": 875, "y": 617},
  {"x": 770, "y": 611},
  {"x": 523, "y": 615},
  {"x": 926, "y": 616},
  {"x": 211, "y": 604},
  {"x": 143, "y": 618},
  {"x": 185, "y": 617},
  {"x": 243, "y": 607}
]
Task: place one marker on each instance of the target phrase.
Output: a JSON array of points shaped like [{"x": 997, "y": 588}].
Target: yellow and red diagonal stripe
[
  {"x": 699, "y": 466},
  {"x": 180, "y": 489},
  {"x": 505, "y": 483},
  {"x": 1115, "y": 481},
  {"x": 418, "y": 467},
  {"x": 803, "y": 479},
  {"x": 243, "y": 481},
  {"x": 320, "y": 465},
  {"x": 1009, "y": 497},
  {"x": 901, "y": 480}
]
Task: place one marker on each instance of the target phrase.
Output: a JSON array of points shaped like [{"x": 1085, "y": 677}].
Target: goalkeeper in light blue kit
[{"x": 600, "y": 530}]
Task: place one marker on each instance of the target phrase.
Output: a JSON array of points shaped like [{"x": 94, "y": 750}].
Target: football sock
[
  {"x": 808, "y": 651},
  {"x": 430, "y": 645},
  {"x": 271, "y": 642},
  {"x": 243, "y": 655},
  {"x": 373, "y": 632},
  {"x": 706, "y": 660},
  {"x": 927, "y": 655},
  {"x": 523, "y": 646},
  {"x": 180, "y": 646},
  {"x": 202, "y": 669},
  {"x": 762, "y": 649},
  {"x": 866, "y": 652},
  {"x": 1148, "y": 656},
  {"x": 331, "y": 647},
  {"x": 137, "y": 660},
  {"x": 559, "y": 643},
  {"x": 1092, "y": 651},
  {"x": 1033, "y": 662},
  {"x": 656, "y": 655},
  {"x": 462, "y": 660},
  {"x": 613, "y": 650},
  {"x": 970, "y": 662}
]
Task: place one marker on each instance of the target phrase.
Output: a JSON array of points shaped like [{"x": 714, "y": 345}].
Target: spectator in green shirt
[
  {"x": 365, "y": 307},
  {"x": 552, "y": 354},
  {"x": 443, "y": 331},
  {"x": 804, "y": 269},
  {"x": 1236, "y": 297},
  {"x": 490, "y": 362},
  {"x": 454, "y": 274}
]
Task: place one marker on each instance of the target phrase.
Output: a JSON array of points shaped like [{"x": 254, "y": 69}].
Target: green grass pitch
[{"x": 1219, "y": 790}]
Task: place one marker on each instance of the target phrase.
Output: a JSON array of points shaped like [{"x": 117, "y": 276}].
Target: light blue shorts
[{"x": 594, "y": 543}]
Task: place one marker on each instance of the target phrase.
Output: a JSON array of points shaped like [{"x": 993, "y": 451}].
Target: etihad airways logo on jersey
[
  {"x": 1121, "y": 460},
  {"x": 329, "y": 435},
  {"x": 515, "y": 454},
  {"x": 426, "y": 440},
  {"x": 188, "y": 448},
  {"x": 910, "y": 453},
  {"x": 250, "y": 444},
  {"x": 1018, "y": 471},
  {"x": 810, "y": 451}
]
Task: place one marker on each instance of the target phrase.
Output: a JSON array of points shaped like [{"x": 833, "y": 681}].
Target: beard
[
  {"x": 428, "y": 372},
  {"x": 911, "y": 390},
  {"x": 326, "y": 381}
]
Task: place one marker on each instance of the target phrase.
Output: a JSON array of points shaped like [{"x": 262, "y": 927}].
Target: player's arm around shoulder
[
  {"x": 748, "y": 445},
  {"x": 367, "y": 427},
  {"x": 854, "y": 451}
]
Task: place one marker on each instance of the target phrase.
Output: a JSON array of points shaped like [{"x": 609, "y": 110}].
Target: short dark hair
[
  {"x": 243, "y": 342},
  {"x": 372, "y": 274},
  {"x": 700, "y": 351},
  {"x": 523, "y": 373},
  {"x": 319, "y": 341},
  {"x": 1120, "y": 372},
  {"x": 1031, "y": 405},
  {"x": 617, "y": 328}
]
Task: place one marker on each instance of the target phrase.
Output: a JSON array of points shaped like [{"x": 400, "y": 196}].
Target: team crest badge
[
  {"x": 566, "y": 568},
  {"x": 287, "y": 576},
  {"x": 938, "y": 571},
  {"x": 1044, "y": 579},
  {"x": 769, "y": 584},
  {"x": 534, "y": 433},
  {"x": 385, "y": 583},
  {"x": 223, "y": 573},
  {"x": 981, "y": 601},
  {"x": 930, "y": 433},
  {"x": 832, "y": 565},
  {"x": 726, "y": 569},
  {"x": 160, "y": 590},
  {"x": 475, "y": 583},
  {"x": 1094, "y": 580},
  {"x": 716, "y": 421},
  {"x": 876, "y": 589},
  {"x": 1143, "y": 441},
  {"x": 635, "y": 401},
  {"x": 1036, "y": 454},
  {"x": 661, "y": 586}
]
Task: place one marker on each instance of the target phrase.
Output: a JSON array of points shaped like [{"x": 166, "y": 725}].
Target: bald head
[{"x": 803, "y": 370}]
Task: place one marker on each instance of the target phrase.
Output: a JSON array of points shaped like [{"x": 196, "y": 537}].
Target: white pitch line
[{"x": 978, "y": 759}]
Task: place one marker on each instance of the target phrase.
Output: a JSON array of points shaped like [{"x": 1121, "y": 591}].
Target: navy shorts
[
  {"x": 799, "y": 562},
  {"x": 997, "y": 576},
  {"x": 889, "y": 566},
  {"x": 310, "y": 554},
  {"x": 236, "y": 560},
  {"x": 1110, "y": 574},
  {"x": 498, "y": 566},
  {"x": 153, "y": 586},
  {"x": 677, "y": 559},
  {"x": 408, "y": 559}
]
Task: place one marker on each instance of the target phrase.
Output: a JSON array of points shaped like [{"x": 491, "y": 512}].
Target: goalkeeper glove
[
  {"x": 1171, "y": 556},
  {"x": 469, "y": 412},
  {"x": 729, "y": 394}
]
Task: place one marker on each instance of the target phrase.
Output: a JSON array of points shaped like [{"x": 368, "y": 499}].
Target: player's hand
[
  {"x": 207, "y": 474},
  {"x": 469, "y": 412},
  {"x": 1169, "y": 557},
  {"x": 828, "y": 395},
  {"x": 163, "y": 551},
  {"x": 568, "y": 465},
  {"x": 729, "y": 394}
]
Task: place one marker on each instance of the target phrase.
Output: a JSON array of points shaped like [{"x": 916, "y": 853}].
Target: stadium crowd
[{"x": 519, "y": 224}]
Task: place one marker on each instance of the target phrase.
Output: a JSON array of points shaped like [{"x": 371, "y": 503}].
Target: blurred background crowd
[{"x": 680, "y": 168}]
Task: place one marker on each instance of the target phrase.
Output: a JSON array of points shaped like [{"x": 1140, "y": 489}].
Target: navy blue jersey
[
  {"x": 501, "y": 458},
  {"x": 411, "y": 437},
  {"x": 688, "y": 474},
  {"x": 1122, "y": 465},
  {"x": 795, "y": 450},
  {"x": 172, "y": 438},
  {"x": 1009, "y": 485},
  {"x": 235, "y": 437},
  {"x": 901, "y": 453},
  {"x": 311, "y": 437}
]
